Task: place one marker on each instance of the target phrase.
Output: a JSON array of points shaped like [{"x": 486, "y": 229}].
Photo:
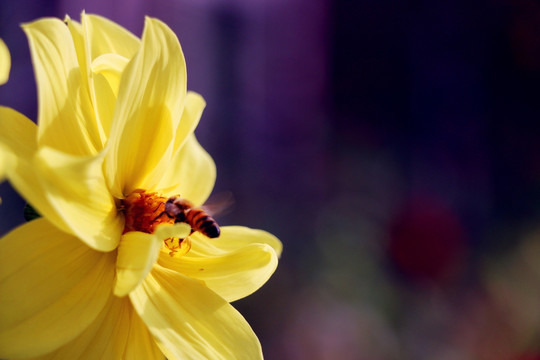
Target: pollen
[
  {"x": 177, "y": 247},
  {"x": 144, "y": 211}
]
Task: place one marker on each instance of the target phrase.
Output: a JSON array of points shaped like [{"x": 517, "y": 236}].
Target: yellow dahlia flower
[{"x": 115, "y": 129}]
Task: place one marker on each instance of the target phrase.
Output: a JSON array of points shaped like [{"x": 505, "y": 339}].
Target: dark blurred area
[{"x": 392, "y": 146}]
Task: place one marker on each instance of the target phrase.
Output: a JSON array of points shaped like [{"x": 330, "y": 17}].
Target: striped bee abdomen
[{"x": 200, "y": 221}]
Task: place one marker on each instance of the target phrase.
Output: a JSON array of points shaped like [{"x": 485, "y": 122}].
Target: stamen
[{"x": 177, "y": 246}]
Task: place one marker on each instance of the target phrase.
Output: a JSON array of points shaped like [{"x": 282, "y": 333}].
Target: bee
[{"x": 182, "y": 210}]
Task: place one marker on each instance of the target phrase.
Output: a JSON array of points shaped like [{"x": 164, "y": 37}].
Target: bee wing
[{"x": 219, "y": 204}]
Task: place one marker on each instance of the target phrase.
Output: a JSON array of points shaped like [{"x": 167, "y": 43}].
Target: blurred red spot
[
  {"x": 528, "y": 357},
  {"x": 427, "y": 241}
]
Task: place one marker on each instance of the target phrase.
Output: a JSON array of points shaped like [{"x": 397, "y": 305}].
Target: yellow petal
[
  {"x": 233, "y": 238},
  {"x": 107, "y": 71},
  {"x": 111, "y": 67},
  {"x": 87, "y": 81},
  {"x": 17, "y": 137},
  {"x": 188, "y": 321},
  {"x": 150, "y": 101},
  {"x": 232, "y": 276},
  {"x": 52, "y": 287},
  {"x": 98, "y": 37},
  {"x": 179, "y": 230},
  {"x": 18, "y": 141},
  {"x": 106, "y": 37},
  {"x": 5, "y": 62},
  {"x": 231, "y": 273},
  {"x": 117, "y": 333},
  {"x": 193, "y": 109},
  {"x": 76, "y": 189},
  {"x": 191, "y": 173},
  {"x": 66, "y": 117},
  {"x": 77, "y": 37},
  {"x": 138, "y": 252},
  {"x": 17, "y": 133},
  {"x": 108, "y": 49}
]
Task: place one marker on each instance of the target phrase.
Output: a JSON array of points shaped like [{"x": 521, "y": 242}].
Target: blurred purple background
[{"x": 392, "y": 146}]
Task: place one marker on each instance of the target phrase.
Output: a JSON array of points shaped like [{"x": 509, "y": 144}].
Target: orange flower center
[{"x": 144, "y": 211}]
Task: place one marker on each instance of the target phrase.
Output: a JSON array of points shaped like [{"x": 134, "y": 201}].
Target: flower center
[{"x": 144, "y": 211}]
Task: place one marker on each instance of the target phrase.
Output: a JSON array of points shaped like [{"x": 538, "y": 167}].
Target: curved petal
[
  {"x": 94, "y": 38},
  {"x": 76, "y": 30},
  {"x": 111, "y": 67},
  {"x": 17, "y": 133},
  {"x": 191, "y": 115},
  {"x": 76, "y": 189},
  {"x": 150, "y": 101},
  {"x": 231, "y": 274},
  {"x": 17, "y": 143},
  {"x": 77, "y": 36},
  {"x": 138, "y": 252},
  {"x": 51, "y": 181},
  {"x": 87, "y": 84},
  {"x": 189, "y": 321},
  {"x": 231, "y": 239},
  {"x": 5, "y": 62},
  {"x": 66, "y": 117},
  {"x": 180, "y": 230},
  {"x": 52, "y": 287},
  {"x": 107, "y": 71},
  {"x": 18, "y": 137},
  {"x": 117, "y": 333},
  {"x": 106, "y": 37},
  {"x": 191, "y": 173}
]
